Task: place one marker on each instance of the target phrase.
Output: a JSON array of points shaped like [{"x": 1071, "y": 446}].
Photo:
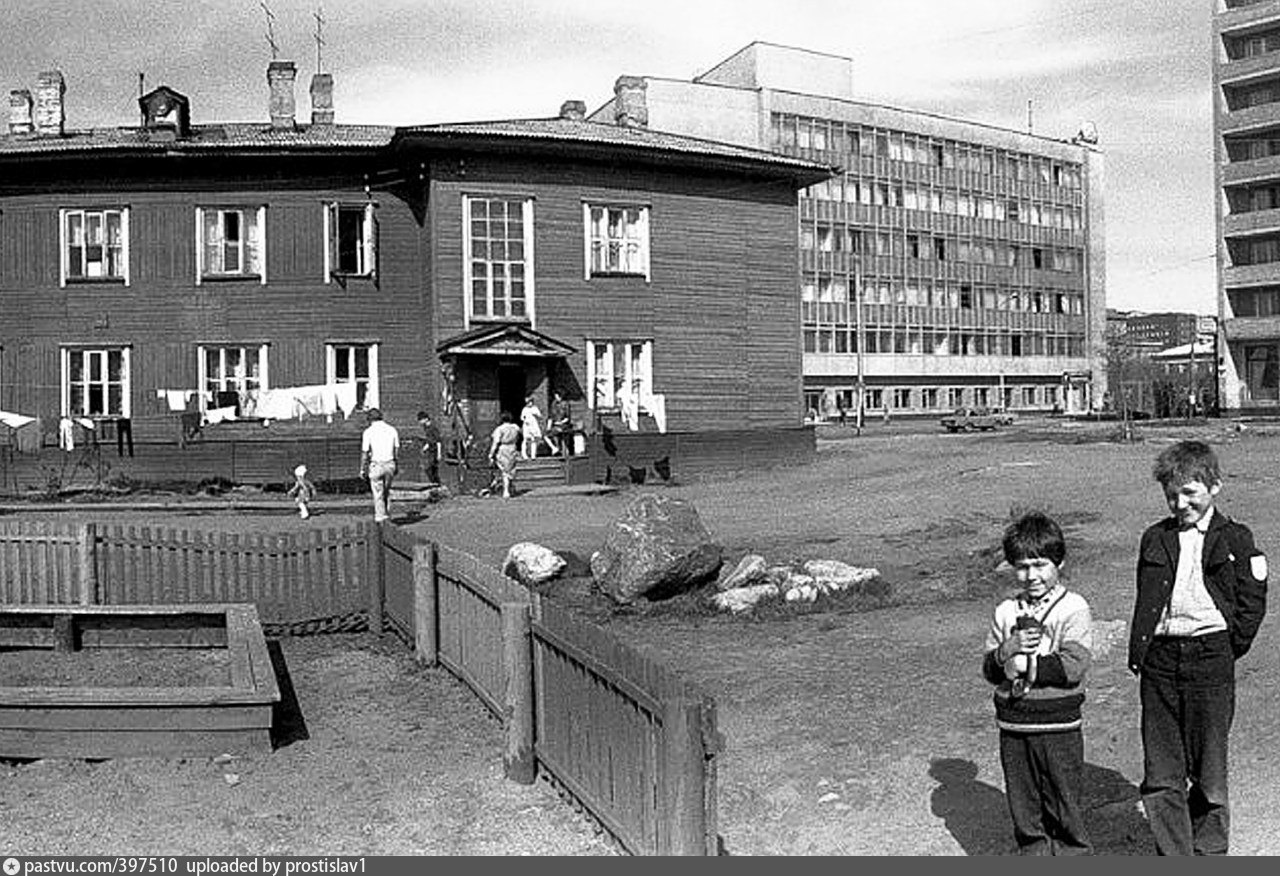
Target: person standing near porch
[
  {"x": 531, "y": 428},
  {"x": 379, "y": 452}
]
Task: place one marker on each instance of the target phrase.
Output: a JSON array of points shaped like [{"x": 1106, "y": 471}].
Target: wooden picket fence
[
  {"x": 609, "y": 726},
  {"x": 291, "y": 576}
]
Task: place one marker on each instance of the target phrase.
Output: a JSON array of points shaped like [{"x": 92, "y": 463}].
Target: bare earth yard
[{"x": 849, "y": 731}]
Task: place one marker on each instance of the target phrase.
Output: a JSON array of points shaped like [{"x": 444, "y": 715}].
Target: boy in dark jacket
[
  {"x": 1037, "y": 653},
  {"x": 1202, "y": 591}
]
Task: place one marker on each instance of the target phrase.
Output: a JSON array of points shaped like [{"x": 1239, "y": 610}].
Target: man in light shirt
[
  {"x": 1202, "y": 591},
  {"x": 379, "y": 452}
]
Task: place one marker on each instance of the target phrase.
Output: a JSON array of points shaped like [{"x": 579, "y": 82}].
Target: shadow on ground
[
  {"x": 977, "y": 814},
  {"x": 287, "y": 722}
]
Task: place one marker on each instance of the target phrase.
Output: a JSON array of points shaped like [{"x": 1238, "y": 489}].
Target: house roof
[
  {"x": 568, "y": 132},
  {"x": 549, "y": 137},
  {"x": 230, "y": 136},
  {"x": 504, "y": 339}
]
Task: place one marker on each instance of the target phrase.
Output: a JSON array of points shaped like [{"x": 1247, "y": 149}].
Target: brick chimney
[
  {"x": 322, "y": 99},
  {"x": 280, "y": 77},
  {"x": 630, "y": 108},
  {"x": 49, "y": 116},
  {"x": 20, "y": 111},
  {"x": 575, "y": 110}
]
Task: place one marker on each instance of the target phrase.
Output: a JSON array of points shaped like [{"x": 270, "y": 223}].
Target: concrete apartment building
[
  {"x": 1246, "y": 69},
  {"x": 975, "y": 252}
]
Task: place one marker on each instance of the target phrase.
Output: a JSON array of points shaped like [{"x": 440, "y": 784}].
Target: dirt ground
[{"x": 850, "y": 731}]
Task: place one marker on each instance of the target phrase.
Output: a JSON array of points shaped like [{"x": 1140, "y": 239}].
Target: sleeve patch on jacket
[{"x": 1258, "y": 565}]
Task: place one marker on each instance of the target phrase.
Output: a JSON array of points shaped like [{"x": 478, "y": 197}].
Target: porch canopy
[{"x": 505, "y": 340}]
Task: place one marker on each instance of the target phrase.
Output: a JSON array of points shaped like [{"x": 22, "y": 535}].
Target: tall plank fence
[{"x": 606, "y": 724}]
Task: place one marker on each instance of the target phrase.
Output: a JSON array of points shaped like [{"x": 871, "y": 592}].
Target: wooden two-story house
[{"x": 222, "y": 300}]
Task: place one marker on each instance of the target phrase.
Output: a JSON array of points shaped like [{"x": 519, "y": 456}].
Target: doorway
[{"x": 511, "y": 390}]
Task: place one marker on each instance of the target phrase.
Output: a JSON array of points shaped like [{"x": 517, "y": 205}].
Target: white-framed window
[
  {"x": 95, "y": 382},
  {"x": 498, "y": 271},
  {"x": 350, "y": 240},
  {"x": 231, "y": 242},
  {"x": 231, "y": 368},
  {"x": 94, "y": 245},
  {"x": 615, "y": 368},
  {"x": 354, "y": 363},
  {"x": 616, "y": 240}
]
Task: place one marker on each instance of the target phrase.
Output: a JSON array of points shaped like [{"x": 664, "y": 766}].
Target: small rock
[
  {"x": 231, "y": 779},
  {"x": 829, "y": 797},
  {"x": 750, "y": 570},
  {"x": 532, "y": 564},
  {"x": 742, "y": 598},
  {"x": 224, "y": 758}
]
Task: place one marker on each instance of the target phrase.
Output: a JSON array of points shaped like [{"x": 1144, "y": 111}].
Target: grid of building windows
[{"x": 952, "y": 248}]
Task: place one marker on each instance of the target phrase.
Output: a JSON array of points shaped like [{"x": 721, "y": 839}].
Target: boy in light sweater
[{"x": 1037, "y": 654}]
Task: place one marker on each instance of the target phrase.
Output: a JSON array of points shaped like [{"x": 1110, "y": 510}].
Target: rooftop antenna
[
  {"x": 142, "y": 83},
  {"x": 1028, "y": 115},
  {"x": 318, "y": 15},
  {"x": 271, "y": 29}
]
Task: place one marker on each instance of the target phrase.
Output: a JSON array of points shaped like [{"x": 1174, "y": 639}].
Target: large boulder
[
  {"x": 532, "y": 564},
  {"x": 657, "y": 549}
]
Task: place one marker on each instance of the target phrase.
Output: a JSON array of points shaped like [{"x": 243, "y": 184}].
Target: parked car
[
  {"x": 1003, "y": 417},
  {"x": 969, "y": 420}
]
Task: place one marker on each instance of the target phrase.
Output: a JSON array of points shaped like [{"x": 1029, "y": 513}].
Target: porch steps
[{"x": 541, "y": 471}]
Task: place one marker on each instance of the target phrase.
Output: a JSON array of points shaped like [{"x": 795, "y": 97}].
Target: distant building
[
  {"x": 951, "y": 263},
  {"x": 1246, "y": 71},
  {"x": 1158, "y": 361},
  {"x": 1159, "y": 331}
]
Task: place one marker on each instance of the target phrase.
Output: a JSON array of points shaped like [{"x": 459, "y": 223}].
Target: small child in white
[{"x": 302, "y": 491}]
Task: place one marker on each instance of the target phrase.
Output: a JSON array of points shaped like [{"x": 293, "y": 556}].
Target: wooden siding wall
[
  {"x": 164, "y": 314},
  {"x": 723, "y": 304}
]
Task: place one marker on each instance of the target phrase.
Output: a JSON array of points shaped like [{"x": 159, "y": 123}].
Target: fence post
[
  {"x": 375, "y": 573},
  {"x": 683, "y": 778},
  {"x": 425, "y": 606},
  {"x": 88, "y": 564},
  {"x": 518, "y": 762}
]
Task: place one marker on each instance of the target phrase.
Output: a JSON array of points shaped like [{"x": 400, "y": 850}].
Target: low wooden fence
[
  {"x": 606, "y": 724},
  {"x": 292, "y": 577}
]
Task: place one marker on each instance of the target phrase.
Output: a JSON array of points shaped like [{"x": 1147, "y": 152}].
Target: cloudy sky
[{"x": 1137, "y": 70}]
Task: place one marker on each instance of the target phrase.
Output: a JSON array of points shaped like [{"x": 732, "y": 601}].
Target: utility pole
[
  {"x": 1191, "y": 378},
  {"x": 861, "y": 342}
]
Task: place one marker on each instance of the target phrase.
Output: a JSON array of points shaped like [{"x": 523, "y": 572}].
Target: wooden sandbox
[{"x": 194, "y": 680}]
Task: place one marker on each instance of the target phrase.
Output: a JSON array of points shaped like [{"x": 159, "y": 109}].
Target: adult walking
[
  {"x": 504, "y": 444},
  {"x": 379, "y": 452}
]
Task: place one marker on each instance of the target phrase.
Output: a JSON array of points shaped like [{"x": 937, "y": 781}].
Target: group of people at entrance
[
  {"x": 1200, "y": 598},
  {"x": 509, "y": 443}
]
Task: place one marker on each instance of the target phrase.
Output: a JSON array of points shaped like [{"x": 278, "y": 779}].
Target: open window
[{"x": 350, "y": 241}]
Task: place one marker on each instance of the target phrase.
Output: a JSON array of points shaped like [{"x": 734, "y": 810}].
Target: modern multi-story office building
[
  {"x": 1246, "y": 68},
  {"x": 950, "y": 262}
]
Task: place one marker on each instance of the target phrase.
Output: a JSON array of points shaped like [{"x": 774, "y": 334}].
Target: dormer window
[{"x": 165, "y": 110}]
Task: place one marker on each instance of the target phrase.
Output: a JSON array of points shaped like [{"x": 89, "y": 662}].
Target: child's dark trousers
[
  {"x": 1188, "y": 701},
  {"x": 1043, "y": 774}
]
